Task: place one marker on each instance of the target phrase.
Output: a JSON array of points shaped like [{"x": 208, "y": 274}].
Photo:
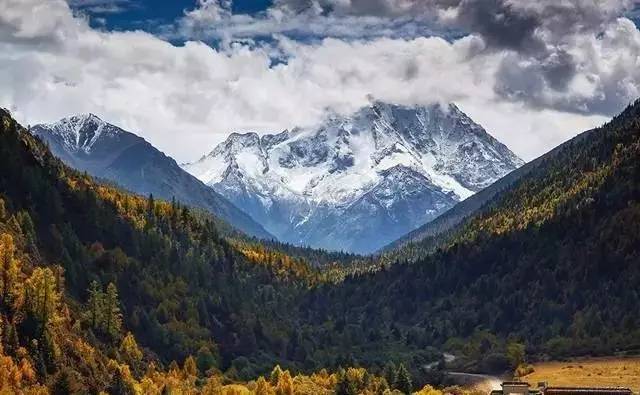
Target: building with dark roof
[{"x": 524, "y": 388}]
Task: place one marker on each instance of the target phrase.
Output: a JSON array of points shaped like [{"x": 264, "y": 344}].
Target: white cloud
[
  {"x": 545, "y": 41},
  {"x": 217, "y": 23},
  {"x": 187, "y": 99},
  {"x": 99, "y": 8}
]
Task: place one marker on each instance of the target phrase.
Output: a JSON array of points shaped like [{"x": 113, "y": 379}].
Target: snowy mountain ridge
[
  {"x": 357, "y": 182},
  {"x": 81, "y": 132},
  {"x": 87, "y": 143}
]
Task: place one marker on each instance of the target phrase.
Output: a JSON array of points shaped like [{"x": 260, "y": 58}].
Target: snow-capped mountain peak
[
  {"x": 301, "y": 184},
  {"x": 87, "y": 143},
  {"x": 81, "y": 132}
]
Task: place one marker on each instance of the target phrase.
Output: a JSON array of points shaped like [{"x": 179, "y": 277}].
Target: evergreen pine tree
[
  {"x": 345, "y": 385},
  {"x": 390, "y": 373},
  {"x": 113, "y": 317},
  {"x": 403, "y": 382},
  {"x": 96, "y": 301},
  {"x": 62, "y": 385}
]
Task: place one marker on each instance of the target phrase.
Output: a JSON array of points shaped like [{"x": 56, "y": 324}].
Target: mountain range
[
  {"x": 358, "y": 182},
  {"x": 87, "y": 143}
]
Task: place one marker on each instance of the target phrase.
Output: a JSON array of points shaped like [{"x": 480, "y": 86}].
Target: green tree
[
  {"x": 67, "y": 383},
  {"x": 205, "y": 359},
  {"x": 404, "y": 383},
  {"x": 48, "y": 350},
  {"x": 515, "y": 353},
  {"x": 390, "y": 373},
  {"x": 112, "y": 315},
  {"x": 120, "y": 385},
  {"x": 345, "y": 384},
  {"x": 95, "y": 304}
]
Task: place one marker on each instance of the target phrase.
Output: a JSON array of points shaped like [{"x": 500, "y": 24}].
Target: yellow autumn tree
[
  {"x": 9, "y": 271},
  {"x": 42, "y": 297},
  {"x": 275, "y": 375},
  {"x": 129, "y": 349},
  {"x": 16, "y": 377},
  {"x": 190, "y": 368},
  {"x": 213, "y": 386},
  {"x": 285, "y": 384},
  {"x": 428, "y": 390},
  {"x": 263, "y": 387}
]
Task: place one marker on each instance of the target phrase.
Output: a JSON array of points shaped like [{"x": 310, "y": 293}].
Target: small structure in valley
[{"x": 524, "y": 388}]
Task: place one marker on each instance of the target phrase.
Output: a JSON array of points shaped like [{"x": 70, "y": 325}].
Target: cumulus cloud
[
  {"x": 213, "y": 22},
  {"x": 544, "y": 40},
  {"x": 185, "y": 99}
]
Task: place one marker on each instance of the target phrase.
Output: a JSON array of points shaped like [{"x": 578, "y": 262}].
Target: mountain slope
[
  {"x": 183, "y": 289},
  {"x": 421, "y": 241},
  {"x": 359, "y": 182},
  {"x": 230, "y": 310},
  {"x": 553, "y": 262},
  {"x": 89, "y": 144}
]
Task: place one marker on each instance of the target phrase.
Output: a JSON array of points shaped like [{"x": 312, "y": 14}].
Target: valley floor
[{"x": 608, "y": 371}]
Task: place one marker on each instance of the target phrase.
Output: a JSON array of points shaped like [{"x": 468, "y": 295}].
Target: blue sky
[{"x": 148, "y": 14}]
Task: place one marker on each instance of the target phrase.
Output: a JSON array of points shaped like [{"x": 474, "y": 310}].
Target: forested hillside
[
  {"x": 554, "y": 263},
  {"x": 123, "y": 261},
  {"x": 105, "y": 291},
  {"x": 102, "y": 290}
]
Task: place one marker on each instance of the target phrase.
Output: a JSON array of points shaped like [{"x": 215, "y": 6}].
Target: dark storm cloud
[
  {"x": 500, "y": 24},
  {"x": 538, "y": 32}
]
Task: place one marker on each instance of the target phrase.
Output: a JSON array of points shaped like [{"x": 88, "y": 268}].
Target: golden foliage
[
  {"x": 428, "y": 390},
  {"x": 42, "y": 296},
  {"x": 9, "y": 272},
  {"x": 15, "y": 377},
  {"x": 129, "y": 348}
]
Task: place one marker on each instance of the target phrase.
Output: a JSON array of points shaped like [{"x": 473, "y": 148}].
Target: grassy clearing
[{"x": 610, "y": 371}]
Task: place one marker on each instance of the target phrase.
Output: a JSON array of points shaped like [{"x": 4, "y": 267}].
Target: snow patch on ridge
[{"x": 80, "y": 132}]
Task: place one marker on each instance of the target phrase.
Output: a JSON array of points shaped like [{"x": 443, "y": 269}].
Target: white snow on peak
[
  {"x": 386, "y": 165},
  {"x": 339, "y": 160},
  {"x": 80, "y": 132}
]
